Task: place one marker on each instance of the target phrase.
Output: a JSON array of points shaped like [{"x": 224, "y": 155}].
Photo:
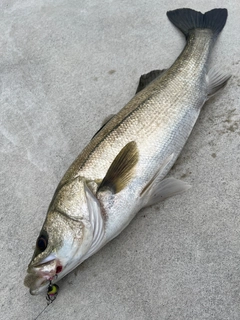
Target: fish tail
[{"x": 188, "y": 19}]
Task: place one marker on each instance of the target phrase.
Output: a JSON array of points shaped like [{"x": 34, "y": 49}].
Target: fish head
[
  {"x": 59, "y": 249},
  {"x": 64, "y": 240}
]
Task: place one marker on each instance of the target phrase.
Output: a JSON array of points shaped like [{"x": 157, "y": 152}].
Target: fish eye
[{"x": 42, "y": 242}]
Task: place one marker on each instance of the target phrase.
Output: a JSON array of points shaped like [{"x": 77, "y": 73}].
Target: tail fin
[{"x": 188, "y": 19}]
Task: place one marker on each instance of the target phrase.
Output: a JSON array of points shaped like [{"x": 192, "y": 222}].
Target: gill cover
[
  {"x": 73, "y": 230},
  {"x": 78, "y": 203}
]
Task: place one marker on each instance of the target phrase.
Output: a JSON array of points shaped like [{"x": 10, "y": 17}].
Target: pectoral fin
[
  {"x": 121, "y": 170},
  {"x": 157, "y": 190}
]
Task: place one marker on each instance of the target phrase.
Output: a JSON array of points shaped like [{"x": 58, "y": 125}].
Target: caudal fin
[{"x": 188, "y": 19}]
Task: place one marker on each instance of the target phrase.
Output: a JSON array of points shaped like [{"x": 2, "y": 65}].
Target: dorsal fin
[
  {"x": 144, "y": 81},
  {"x": 105, "y": 121},
  {"x": 147, "y": 78},
  {"x": 121, "y": 170}
]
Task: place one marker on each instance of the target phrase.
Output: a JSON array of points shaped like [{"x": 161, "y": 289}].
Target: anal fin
[{"x": 216, "y": 81}]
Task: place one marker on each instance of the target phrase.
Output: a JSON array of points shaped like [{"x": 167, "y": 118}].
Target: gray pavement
[{"x": 65, "y": 66}]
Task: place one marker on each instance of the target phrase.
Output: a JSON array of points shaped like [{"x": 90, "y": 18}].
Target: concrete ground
[{"x": 65, "y": 66}]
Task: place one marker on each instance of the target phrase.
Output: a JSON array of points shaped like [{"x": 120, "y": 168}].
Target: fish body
[{"x": 123, "y": 167}]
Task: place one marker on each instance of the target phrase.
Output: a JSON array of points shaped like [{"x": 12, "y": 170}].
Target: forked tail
[{"x": 188, "y": 19}]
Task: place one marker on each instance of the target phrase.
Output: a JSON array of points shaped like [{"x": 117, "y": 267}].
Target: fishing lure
[{"x": 52, "y": 293}]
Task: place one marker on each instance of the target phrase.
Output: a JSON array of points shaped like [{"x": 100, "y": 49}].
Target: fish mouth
[
  {"x": 42, "y": 287},
  {"x": 35, "y": 283},
  {"x": 39, "y": 276}
]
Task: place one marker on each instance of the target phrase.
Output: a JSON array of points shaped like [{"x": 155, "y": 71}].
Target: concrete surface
[{"x": 65, "y": 66}]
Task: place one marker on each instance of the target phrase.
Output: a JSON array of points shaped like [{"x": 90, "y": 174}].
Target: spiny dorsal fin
[
  {"x": 121, "y": 170},
  {"x": 105, "y": 121},
  {"x": 147, "y": 78},
  {"x": 144, "y": 81}
]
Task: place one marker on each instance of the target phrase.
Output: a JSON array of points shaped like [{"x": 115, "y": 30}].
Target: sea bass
[{"x": 123, "y": 167}]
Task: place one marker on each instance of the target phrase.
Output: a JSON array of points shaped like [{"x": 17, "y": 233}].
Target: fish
[{"x": 123, "y": 168}]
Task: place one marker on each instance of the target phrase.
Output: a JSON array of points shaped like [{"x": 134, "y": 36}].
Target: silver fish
[{"x": 123, "y": 167}]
